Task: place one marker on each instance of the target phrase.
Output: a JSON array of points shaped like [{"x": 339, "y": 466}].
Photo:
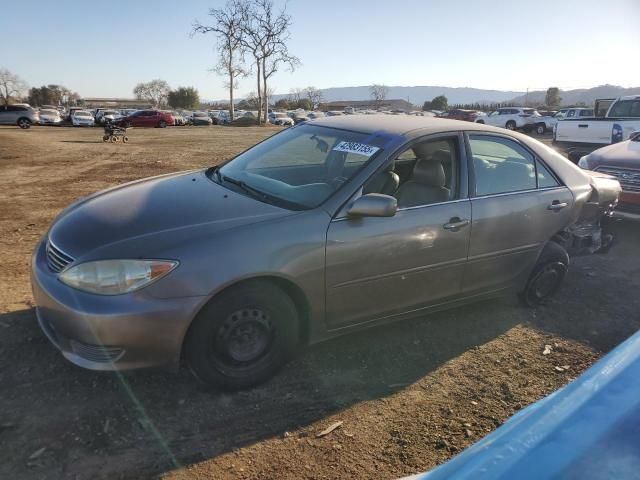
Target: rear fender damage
[{"x": 589, "y": 234}]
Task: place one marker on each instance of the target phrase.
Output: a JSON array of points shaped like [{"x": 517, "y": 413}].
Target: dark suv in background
[
  {"x": 22, "y": 115},
  {"x": 460, "y": 114}
]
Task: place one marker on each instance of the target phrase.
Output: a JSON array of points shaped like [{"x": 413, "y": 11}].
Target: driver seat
[
  {"x": 426, "y": 186},
  {"x": 386, "y": 182}
]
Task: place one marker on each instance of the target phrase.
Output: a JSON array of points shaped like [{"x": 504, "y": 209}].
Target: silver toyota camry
[{"x": 327, "y": 227}]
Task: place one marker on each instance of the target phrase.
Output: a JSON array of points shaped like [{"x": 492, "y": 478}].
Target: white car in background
[
  {"x": 281, "y": 118},
  {"x": 109, "y": 116},
  {"x": 50, "y": 116},
  {"x": 82, "y": 118},
  {"x": 511, "y": 118}
]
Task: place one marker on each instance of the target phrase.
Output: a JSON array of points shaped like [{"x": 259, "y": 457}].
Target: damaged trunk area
[{"x": 589, "y": 233}]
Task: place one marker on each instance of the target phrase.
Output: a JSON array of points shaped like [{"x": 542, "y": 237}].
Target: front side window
[
  {"x": 300, "y": 167},
  {"x": 424, "y": 174},
  {"x": 501, "y": 165}
]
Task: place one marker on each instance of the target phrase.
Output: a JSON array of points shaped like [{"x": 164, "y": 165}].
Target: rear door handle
[
  {"x": 556, "y": 205},
  {"x": 456, "y": 224}
]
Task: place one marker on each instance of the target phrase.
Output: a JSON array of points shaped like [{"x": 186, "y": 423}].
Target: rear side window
[
  {"x": 501, "y": 165},
  {"x": 626, "y": 108},
  {"x": 544, "y": 176}
]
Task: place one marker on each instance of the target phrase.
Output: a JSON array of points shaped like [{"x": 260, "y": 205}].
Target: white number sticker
[{"x": 357, "y": 148}]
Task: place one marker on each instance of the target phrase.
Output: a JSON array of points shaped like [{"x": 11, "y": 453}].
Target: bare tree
[
  {"x": 227, "y": 26},
  {"x": 11, "y": 86},
  {"x": 295, "y": 95},
  {"x": 265, "y": 35},
  {"x": 378, "y": 93},
  {"x": 314, "y": 95},
  {"x": 155, "y": 92}
]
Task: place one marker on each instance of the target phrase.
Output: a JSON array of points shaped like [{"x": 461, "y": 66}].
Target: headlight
[
  {"x": 584, "y": 162},
  {"x": 115, "y": 277}
]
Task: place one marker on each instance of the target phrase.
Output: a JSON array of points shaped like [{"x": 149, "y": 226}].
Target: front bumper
[{"x": 118, "y": 332}]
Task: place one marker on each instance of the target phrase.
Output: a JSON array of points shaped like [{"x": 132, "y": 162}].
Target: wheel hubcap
[
  {"x": 245, "y": 336},
  {"x": 546, "y": 282}
]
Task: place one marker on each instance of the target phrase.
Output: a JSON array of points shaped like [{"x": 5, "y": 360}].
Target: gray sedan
[{"x": 327, "y": 227}]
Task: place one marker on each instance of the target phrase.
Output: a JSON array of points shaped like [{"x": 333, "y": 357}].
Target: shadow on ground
[{"x": 138, "y": 425}]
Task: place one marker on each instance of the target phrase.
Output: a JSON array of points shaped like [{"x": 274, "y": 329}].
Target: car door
[
  {"x": 383, "y": 267},
  {"x": 4, "y": 115},
  {"x": 518, "y": 204}
]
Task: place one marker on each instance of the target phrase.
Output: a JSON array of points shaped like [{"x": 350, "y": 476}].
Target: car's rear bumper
[{"x": 109, "y": 332}]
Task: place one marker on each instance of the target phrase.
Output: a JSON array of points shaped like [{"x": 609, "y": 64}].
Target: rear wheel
[
  {"x": 24, "y": 123},
  {"x": 242, "y": 337},
  {"x": 541, "y": 128},
  {"x": 113, "y": 139},
  {"x": 162, "y": 124},
  {"x": 125, "y": 139},
  {"x": 547, "y": 275},
  {"x": 105, "y": 138},
  {"x": 511, "y": 125}
]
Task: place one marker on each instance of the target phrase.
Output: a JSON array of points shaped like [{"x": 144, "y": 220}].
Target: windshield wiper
[{"x": 243, "y": 185}]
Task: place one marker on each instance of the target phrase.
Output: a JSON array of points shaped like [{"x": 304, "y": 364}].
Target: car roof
[{"x": 400, "y": 125}]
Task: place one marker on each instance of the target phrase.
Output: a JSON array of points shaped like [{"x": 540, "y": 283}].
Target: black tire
[
  {"x": 511, "y": 125},
  {"x": 113, "y": 139},
  {"x": 105, "y": 138},
  {"x": 242, "y": 337},
  {"x": 541, "y": 128},
  {"x": 125, "y": 139},
  {"x": 547, "y": 275},
  {"x": 24, "y": 123},
  {"x": 162, "y": 124},
  {"x": 481, "y": 122}
]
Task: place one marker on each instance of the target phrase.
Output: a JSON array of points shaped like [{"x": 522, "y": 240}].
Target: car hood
[
  {"x": 623, "y": 154},
  {"x": 157, "y": 212}
]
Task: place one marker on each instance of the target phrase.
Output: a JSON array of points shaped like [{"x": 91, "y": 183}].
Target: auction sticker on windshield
[{"x": 357, "y": 148}]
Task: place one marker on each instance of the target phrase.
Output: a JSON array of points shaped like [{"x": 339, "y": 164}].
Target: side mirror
[{"x": 373, "y": 205}]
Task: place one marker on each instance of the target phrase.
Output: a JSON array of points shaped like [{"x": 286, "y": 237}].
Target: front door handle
[
  {"x": 456, "y": 224},
  {"x": 556, "y": 205}
]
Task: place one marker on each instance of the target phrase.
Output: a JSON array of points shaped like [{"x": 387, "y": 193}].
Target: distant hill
[
  {"x": 466, "y": 95},
  {"x": 579, "y": 97},
  {"x": 416, "y": 95}
]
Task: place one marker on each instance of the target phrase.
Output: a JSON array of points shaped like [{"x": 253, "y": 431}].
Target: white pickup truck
[{"x": 614, "y": 122}]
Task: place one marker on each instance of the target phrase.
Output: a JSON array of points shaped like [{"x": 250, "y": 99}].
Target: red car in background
[
  {"x": 146, "y": 118},
  {"x": 460, "y": 114}
]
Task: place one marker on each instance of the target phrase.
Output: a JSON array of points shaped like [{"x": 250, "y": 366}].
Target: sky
[{"x": 102, "y": 49}]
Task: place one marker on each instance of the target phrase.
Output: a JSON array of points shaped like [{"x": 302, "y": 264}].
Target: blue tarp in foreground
[{"x": 590, "y": 429}]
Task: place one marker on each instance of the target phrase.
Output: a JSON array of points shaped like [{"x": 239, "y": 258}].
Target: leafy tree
[
  {"x": 439, "y": 103},
  {"x": 283, "y": 103},
  {"x": 427, "y": 106},
  {"x": 11, "y": 86},
  {"x": 184, "y": 97},
  {"x": 553, "y": 98},
  {"x": 155, "y": 92},
  {"x": 52, "y": 95},
  {"x": 304, "y": 104}
]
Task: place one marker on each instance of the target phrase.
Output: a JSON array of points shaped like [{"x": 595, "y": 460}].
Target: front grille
[
  {"x": 96, "y": 353},
  {"x": 629, "y": 178},
  {"x": 57, "y": 260}
]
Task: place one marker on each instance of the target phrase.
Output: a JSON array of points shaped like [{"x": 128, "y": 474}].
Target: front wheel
[
  {"x": 24, "y": 123},
  {"x": 162, "y": 124},
  {"x": 541, "y": 129},
  {"x": 511, "y": 125},
  {"x": 242, "y": 337},
  {"x": 547, "y": 275}
]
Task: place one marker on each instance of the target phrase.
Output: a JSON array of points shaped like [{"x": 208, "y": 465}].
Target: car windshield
[
  {"x": 200, "y": 114},
  {"x": 48, "y": 112},
  {"x": 300, "y": 167},
  {"x": 80, "y": 113}
]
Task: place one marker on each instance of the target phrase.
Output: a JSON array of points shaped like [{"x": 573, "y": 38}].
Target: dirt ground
[{"x": 410, "y": 395}]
